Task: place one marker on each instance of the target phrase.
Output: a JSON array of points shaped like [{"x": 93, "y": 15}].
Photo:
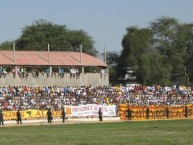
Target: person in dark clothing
[
  {"x": 1, "y": 118},
  {"x": 100, "y": 115},
  {"x": 167, "y": 112},
  {"x": 129, "y": 113},
  {"x": 63, "y": 115},
  {"x": 186, "y": 111},
  {"x": 49, "y": 114},
  {"x": 147, "y": 113},
  {"x": 18, "y": 117}
]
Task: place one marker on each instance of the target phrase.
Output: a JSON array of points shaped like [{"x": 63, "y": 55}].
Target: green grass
[{"x": 163, "y": 132}]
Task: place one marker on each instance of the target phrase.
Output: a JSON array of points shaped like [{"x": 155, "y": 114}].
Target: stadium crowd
[{"x": 55, "y": 97}]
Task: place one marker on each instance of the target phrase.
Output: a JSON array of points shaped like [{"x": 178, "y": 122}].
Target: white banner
[{"x": 90, "y": 110}]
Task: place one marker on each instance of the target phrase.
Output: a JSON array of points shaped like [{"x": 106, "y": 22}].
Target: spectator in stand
[
  {"x": 102, "y": 73},
  {"x": 47, "y": 72},
  {"x": 72, "y": 73},
  {"x": 4, "y": 71},
  {"x": 1, "y": 71},
  {"x": 24, "y": 97}
]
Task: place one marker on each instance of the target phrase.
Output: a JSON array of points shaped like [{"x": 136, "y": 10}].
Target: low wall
[
  {"x": 94, "y": 79},
  {"x": 156, "y": 112},
  {"x": 84, "y": 111}
]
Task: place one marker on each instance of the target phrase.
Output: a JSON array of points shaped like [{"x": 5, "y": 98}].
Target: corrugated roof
[{"x": 68, "y": 58}]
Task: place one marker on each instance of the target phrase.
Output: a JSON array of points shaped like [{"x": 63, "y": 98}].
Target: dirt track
[
  {"x": 59, "y": 121},
  {"x": 74, "y": 121}
]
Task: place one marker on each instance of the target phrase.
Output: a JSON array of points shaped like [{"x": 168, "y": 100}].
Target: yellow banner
[
  {"x": 29, "y": 114},
  {"x": 139, "y": 112}
]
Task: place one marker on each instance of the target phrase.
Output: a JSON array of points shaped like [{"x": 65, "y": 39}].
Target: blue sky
[{"x": 104, "y": 20}]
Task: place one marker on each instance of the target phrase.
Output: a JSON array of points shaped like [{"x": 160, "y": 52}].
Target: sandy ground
[{"x": 59, "y": 121}]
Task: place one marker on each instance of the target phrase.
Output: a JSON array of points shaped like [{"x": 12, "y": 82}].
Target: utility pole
[
  {"x": 14, "y": 52},
  {"x": 48, "y": 53},
  {"x": 186, "y": 76},
  {"x": 80, "y": 54},
  {"x": 105, "y": 55}
]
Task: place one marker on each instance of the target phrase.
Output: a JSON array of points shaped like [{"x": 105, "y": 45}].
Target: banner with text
[
  {"x": 71, "y": 111},
  {"x": 90, "y": 110}
]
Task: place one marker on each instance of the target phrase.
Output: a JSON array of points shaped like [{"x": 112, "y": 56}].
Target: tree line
[
  {"x": 159, "y": 54},
  {"x": 60, "y": 38}
]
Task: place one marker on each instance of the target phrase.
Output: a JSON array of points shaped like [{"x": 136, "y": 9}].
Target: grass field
[{"x": 163, "y": 132}]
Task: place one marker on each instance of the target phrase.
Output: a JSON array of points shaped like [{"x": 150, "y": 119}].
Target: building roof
[{"x": 62, "y": 58}]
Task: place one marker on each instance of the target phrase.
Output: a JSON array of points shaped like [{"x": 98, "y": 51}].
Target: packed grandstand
[{"x": 55, "y": 97}]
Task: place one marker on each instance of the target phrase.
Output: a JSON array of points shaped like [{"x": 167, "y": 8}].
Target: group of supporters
[
  {"x": 49, "y": 98},
  {"x": 55, "y": 97},
  {"x": 24, "y": 72},
  {"x": 157, "y": 95},
  {"x": 42, "y": 98}
]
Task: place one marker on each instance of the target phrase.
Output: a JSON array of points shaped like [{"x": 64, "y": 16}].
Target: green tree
[
  {"x": 112, "y": 61},
  {"x": 41, "y": 33},
  {"x": 7, "y": 45},
  {"x": 159, "y": 54},
  {"x": 79, "y": 37},
  {"x": 135, "y": 43},
  {"x": 185, "y": 41},
  {"x": 153, "y": 70},
  {"x": 167, "y": 40}
]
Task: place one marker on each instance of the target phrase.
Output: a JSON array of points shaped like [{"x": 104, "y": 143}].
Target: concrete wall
[{"x": 94, "y": 79}]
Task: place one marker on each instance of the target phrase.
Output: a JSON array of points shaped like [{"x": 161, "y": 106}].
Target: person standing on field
[
  {"x": 18, "y": 117},
  {"x": 167, "y": 112},
  {"x": 49, "y": 115},
  {"x": 147, "y": 113},
  {"x": 63, "y": 115},
  {"x": 129, "y": 113},
  {"x": 186, "y": 111},
  {"x": 100, "y": 115},
  {"x": 1, "y": 118}
]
